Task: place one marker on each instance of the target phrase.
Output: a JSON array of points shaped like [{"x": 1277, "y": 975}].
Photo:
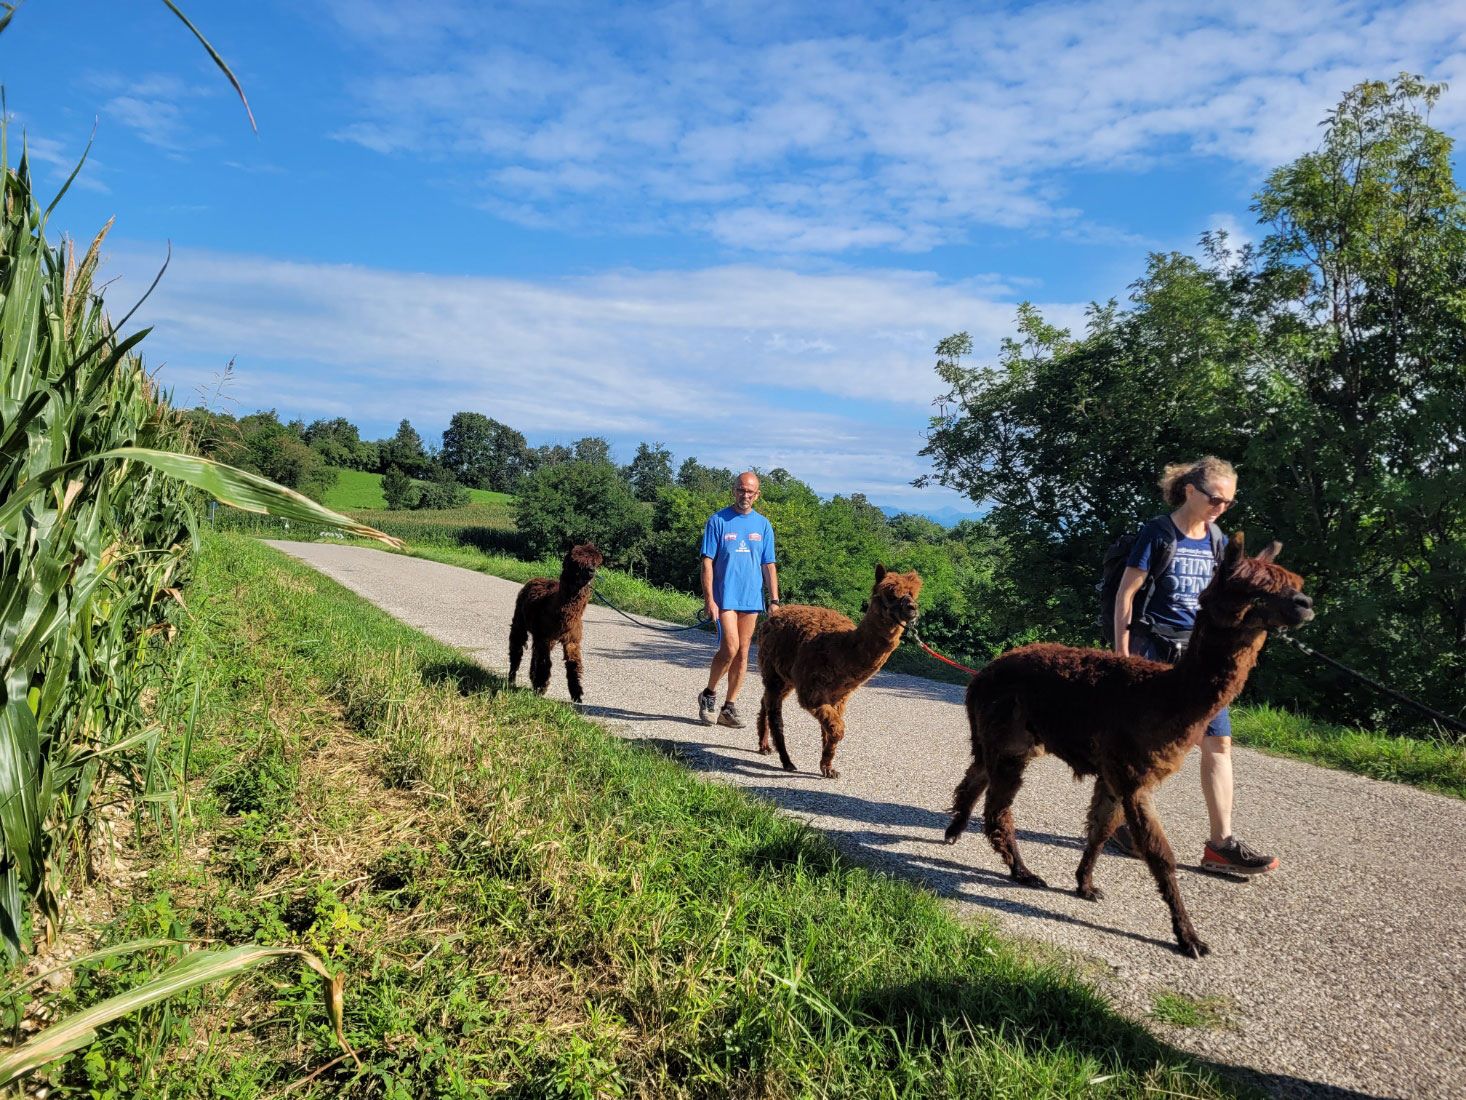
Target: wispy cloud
[
  {"x": 829, "y": 375},
  {"x": 154, "y": 107},
  {"x": 776, "y": 128}
]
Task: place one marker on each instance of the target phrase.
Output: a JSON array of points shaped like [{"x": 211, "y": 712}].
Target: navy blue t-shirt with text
[{"x": 1174, "y": 602}]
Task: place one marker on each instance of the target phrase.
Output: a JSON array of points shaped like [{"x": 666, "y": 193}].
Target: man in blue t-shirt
[{"x": 737, "y": 558}]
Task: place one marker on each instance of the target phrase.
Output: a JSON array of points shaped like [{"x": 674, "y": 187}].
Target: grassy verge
[
  {"x": 1437, "y": 764},
  {"x": 527, "y": 906}
]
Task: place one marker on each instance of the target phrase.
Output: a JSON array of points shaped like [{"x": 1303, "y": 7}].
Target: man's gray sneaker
[
  {"x": 707, "y": 707},
  {"x": 728, "y": 716}
]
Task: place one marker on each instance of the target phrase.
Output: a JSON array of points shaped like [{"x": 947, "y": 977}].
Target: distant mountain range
[{"x": 947, "y": 516}]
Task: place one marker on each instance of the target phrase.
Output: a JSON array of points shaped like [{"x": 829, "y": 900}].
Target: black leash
[
  {"x": 1444, "y": 719},
  {"x": 702, "y": 621}
]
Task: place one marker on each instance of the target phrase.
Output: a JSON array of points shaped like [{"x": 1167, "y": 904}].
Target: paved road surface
[{"x": 1346, "y": 969}]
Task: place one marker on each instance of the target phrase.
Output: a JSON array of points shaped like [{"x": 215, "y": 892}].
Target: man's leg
[
  {"x": 727, "y": 649},
  {"x": 740, "y": 624}
]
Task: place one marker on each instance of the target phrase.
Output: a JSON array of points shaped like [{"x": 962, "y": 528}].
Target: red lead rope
[{"x": 932, "y": 652}]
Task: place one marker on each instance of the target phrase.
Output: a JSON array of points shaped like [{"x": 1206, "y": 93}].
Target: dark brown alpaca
[
  {"x": 824, "y": 657},
  {"x": 1125, "y": 720},
  {"x": 550, "y": 611}
]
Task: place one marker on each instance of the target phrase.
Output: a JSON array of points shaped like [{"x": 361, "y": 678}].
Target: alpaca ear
[
  {"x": 880, "y": 572},
  {"x": 1236, "y": 549},
  {"x": 1273, "y": 549}
]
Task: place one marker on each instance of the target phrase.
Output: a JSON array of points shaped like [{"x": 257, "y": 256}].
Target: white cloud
[
  {"x": 829, "y": 375},
  {"x": 771, "y": 129}
]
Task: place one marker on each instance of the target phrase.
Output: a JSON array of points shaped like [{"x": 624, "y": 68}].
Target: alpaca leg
[
  {"x": 539, "y": 666},
  {"x": 771, "y": 719},
  {"x": 832, "y": 730},
  {"x": 1104, "y": 816},
  {"x": 1005, "y": 776},
  {"x": 1150, "y": 841},
  {"x": 518, "y": 635},
  {"x": 965, "y": 797},
  {"x": 573, "y": 668}
]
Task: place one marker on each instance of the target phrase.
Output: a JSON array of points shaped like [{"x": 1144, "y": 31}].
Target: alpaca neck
[
  {"x": 1216, "y": 664},
  {"x": 876, "y": 638},
  {"x": 573, "y": 596}
]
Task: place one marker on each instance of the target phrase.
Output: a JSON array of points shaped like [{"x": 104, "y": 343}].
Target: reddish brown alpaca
[
  {"x": 824, "y": 657},
  {"x": 551, "y": 611},
  {"x": 1125, "y": 720}
]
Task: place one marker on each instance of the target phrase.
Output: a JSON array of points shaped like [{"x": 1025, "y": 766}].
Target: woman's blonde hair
[{"x": 1178, "y": 475}]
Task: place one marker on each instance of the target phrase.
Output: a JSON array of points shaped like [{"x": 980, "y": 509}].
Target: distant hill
[{"x": 947, "y": 516}]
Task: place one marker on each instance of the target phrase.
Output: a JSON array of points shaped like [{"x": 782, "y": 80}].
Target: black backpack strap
[{"x": 1218, "y": 542}]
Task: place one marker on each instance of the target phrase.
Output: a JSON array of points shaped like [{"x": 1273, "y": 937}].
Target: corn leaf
[{"x": 193, "y": 970}]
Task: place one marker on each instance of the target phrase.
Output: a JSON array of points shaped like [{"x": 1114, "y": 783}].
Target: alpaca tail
[{"x": 518, "y": 636}]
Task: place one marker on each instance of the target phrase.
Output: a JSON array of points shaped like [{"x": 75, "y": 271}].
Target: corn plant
[{"x": 96, "y": 515}]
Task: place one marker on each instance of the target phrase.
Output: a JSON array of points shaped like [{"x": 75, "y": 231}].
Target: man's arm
[
  {"x": 707, "y": 588},
  {"x": 1130, "y": 583},
  {"x": 771, "y": 578}
]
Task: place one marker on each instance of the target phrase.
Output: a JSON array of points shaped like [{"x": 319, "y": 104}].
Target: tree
[
  {"x": 559, "y": 506},
  {"x": 405, "y": 450},
  {"x": 649, "y": 471},
  {"x": 397, "y": 487},
  {"x": 592, "y": 448},
  {"x": 548, "y": 454},
  {"x": 265, "y": 446},
  {"x": 339, "y": 442},
  {"x": 481, "y": 452},
  {"x": 695, "y": 477}
]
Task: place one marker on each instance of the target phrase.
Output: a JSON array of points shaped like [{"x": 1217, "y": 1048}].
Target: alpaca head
[
  {"x": 580, "y": 565},
  {"x": 1255, "y": 592},
  {"x": 894, "y": 596}
]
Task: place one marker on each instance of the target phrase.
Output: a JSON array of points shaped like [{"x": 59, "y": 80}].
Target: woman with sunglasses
[{"x": 1198, "y": 492}]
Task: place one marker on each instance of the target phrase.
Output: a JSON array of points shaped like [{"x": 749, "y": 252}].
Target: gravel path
[{"x": 1344, "y": 972}]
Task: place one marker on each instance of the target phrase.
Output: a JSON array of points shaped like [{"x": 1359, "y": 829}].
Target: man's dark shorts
[{"x": 1142, "y": 645}]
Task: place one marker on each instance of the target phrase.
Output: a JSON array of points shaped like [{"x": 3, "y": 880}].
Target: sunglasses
[{"x": 1214, "y": 500}]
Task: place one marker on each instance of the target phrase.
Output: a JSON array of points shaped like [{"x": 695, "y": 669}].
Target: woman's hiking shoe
[
  {"x": 1232, "y": 857},
  {"x": 1122, "y": 843},
  {"x": 707, "y": 707},
  {"x": 728, "y": 716}
]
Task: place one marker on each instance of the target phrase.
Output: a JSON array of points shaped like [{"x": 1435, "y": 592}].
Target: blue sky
[{"x": 738, "y": 229}]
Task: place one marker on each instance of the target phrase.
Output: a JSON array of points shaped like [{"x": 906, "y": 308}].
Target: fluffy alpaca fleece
[
  {"x": 550, "y": 611},
  {"x": 824, "y": 657},
  {"x": 1125, "y": 720}
]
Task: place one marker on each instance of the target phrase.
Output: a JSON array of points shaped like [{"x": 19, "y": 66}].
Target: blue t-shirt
[
  {"x": 1173, "y": 603},
  {"x": 740, "y": 546}
]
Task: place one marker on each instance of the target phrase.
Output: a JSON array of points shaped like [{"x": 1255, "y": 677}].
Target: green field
[
  {"x": 357, "y": 490},
  {"x": 524, "y": 905}
]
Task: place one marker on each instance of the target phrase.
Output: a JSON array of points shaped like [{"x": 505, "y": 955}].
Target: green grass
[
  {"x": 358, "y": 490},
  {"x": 1435, "y": 764},
  {"x": 527, "y": 906},
  {"x": 1184, "y": 1011}
]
